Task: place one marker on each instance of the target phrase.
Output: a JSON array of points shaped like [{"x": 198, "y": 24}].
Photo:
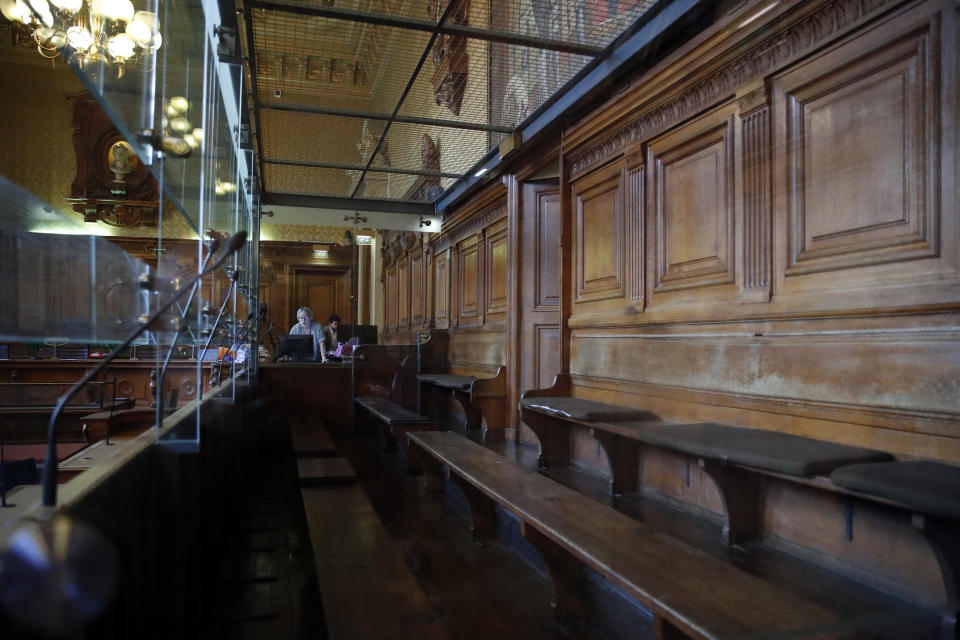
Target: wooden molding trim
[
  {"x": 469, "y": 227},
  {"x": 786, "y": 44}
]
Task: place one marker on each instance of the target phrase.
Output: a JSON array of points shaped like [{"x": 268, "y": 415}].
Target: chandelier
[{"x": 87, "y": 31}]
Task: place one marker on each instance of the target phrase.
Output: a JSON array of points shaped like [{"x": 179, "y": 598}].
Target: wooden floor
[{"x": 383, "y": 539}]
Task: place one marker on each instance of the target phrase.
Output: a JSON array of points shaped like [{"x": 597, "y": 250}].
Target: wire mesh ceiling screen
[{"x": 397, "y": 99}]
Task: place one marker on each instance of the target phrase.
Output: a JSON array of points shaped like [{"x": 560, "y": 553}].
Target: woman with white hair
[{"x": 307, "y": 327}]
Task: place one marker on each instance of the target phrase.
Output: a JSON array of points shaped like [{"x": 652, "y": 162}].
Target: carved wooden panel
[
  {"x": 442, "y": 289},
  {"x": 418, "y": 298},
  {"x": 547, "y": 250},
  {"x": 390, "y": 297},
  {"x": 495, "y": 239},
  {"x": 598, "y": 237},
  {"x": 757, "y": 210},
  {"x": 859, "y": 133},
  {"x": 403, "y": 291},
  {"x": 692, "y": 204},
  {"x": 468, "y": 282},
  {"x": 546, "y": 360},
  {"x": 634, "y": 204}
]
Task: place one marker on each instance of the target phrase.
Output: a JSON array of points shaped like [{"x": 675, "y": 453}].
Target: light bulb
[
  {"x": 121, "y": 46},
  {"x": 179, "y": 124},
  {"x": 179, "y": 104}
]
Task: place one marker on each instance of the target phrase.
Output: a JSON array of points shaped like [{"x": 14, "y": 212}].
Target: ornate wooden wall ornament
[
  {"x": 111, "y": 184},
  {"x": 450, "y": 58}
]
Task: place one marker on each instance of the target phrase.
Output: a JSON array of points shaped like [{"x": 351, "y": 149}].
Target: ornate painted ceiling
[{"x": 395, "y": 101}]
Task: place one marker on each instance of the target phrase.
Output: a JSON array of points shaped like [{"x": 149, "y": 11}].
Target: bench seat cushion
[
  {"x": 448, "y": 380},
  {"x": 767, "y": 450},
  {"x": 585, "y": 410},
  {"x": 932, "y": 488}
]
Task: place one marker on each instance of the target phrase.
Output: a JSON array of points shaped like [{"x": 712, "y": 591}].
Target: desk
[
  {"x": 23, "y": 498},
  {"x": 93, "y": 455},
  {"x": 319, "y": 389}
]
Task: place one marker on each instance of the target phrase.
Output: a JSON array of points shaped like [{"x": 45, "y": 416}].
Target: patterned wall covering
[{"x": 301, "y": 233}]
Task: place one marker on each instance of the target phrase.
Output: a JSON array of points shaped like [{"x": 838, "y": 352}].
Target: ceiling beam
[
  {"x": 372, "y": 115},
  {"x": 428, "y": 25},
  {"x": 251, "y": 61},
  {"x": 412, "y": 207},
  {"x": 360, "y": 167}
]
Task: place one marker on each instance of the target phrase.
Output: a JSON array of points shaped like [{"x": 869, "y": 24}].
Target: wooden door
[
  {"x": 540, "y": 226},
  {"x": 325, "y": 291}
]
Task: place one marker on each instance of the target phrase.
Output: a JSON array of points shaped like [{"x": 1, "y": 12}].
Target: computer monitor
[
  {"x": 298, "y": 348},
  {"x": 364, "y": 333}
]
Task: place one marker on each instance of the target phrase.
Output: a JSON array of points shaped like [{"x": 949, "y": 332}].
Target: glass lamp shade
[
  {"x": 121, "y": 46},
  {"x": 51, "y": 38},
  {"x": 139, "y": 33},
  {"x": 8, "y": 9},
  {"x": 79, "y": 38},
  {"x": 70, "y": 6},
  {"x": 113, "y": 9}
]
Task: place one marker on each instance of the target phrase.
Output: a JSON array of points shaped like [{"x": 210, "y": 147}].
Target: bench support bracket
[
  {"x": 432, "y": 472},
  {"x": 624, "y": 459},
  {"x": 566, "y": 573},
  {"x": 943, "y": 538},
  {"x": 554, "y": 437},
  {"x": 740, "y": 493},
  {"x": 481, "y": 508}
]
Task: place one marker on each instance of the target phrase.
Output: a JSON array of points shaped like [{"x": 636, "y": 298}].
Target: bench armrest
[{"x": 559, "y": 389}]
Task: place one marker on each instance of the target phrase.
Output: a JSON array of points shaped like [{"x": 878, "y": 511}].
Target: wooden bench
[
  {"x": 482, "y": 396},
  {"x": 690, "y": 593},
  {"x": 731, "y": 456},
  {"x": 397, "y": 420},
  {"x": 25, "y": 407},
  {"x": 930, "y": 493}
]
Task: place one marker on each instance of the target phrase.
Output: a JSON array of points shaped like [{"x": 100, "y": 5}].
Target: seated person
[
  {"x": 329, "y": 342},
  {"x": 307, "y": 327}
]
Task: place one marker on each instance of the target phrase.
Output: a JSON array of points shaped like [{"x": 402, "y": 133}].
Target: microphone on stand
[{"x": 57, "y": 573}]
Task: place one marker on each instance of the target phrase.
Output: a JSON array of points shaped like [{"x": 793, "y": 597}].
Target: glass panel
[{"x": 58, "y": 288}]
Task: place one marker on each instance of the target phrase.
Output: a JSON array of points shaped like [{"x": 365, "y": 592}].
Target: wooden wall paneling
[
  {"x": 599, "y": 241},
  {"x": 692, "y": 228},
  {"x": 566, "y": 260},
  {"x": 541, "y": 222},
  {"x": 470, "y": 281},
  {"x": 404, "y": 292},
  {"x": 441, "y": 294},
  {"x": 514, "y": 333},
  {"x": 858, "y": 168},
  {"x": 496, "y": 270}
]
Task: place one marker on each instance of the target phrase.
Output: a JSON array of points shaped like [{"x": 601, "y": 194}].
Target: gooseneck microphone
[
  {"x": 58, "y": 573},
  {"x": 50, "y": 464}
]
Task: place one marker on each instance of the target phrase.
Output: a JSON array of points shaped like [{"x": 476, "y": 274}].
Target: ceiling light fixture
[{"x": 88, "y": 30}]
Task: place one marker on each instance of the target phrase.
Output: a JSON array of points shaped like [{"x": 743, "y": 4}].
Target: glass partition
[{"x": 157, "y": 75}]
